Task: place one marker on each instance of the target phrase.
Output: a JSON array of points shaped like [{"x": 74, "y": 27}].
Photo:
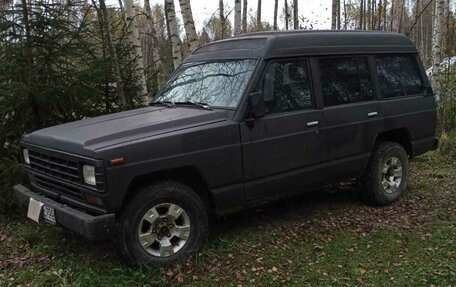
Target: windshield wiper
[
  {"x": 198, "y": 104},
  {"x": 169, "y": 104}
]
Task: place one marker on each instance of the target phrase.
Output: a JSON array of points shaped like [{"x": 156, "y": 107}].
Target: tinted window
[
  {"x": 398, "y": 76},
  {"x": 345, "y": 80},
  {"x": 286, "y": 86}
]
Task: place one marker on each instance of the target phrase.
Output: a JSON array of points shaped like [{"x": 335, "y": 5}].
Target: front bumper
[{"x": 92, "y": 227}]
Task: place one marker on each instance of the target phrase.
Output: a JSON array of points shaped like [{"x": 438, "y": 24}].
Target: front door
[{"x": 281, "y": 149}]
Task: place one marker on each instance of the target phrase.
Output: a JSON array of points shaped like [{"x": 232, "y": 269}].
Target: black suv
[{"x": 241, "y": 121}]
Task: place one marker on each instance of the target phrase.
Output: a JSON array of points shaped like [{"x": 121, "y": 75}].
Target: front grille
[
  {"x": 58, "y": 187},
  {"x": 56, "y": 167},
  {"x": 56, "y": 173}
]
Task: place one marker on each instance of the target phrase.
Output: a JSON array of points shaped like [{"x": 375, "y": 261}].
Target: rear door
[
  {"x": 408, "y": 102},
  {"x": 280, "y": 149},
  {"x": 351, "y": 112}
]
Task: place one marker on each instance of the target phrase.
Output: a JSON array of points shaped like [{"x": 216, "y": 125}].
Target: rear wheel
[
  {"x": 162, "y": 224},
  {"x": 387, "y": 175}
]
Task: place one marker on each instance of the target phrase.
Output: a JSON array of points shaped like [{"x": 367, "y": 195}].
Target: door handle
[
  {"x": 312, "y": 124},
  {"x": 372, "y": 114}
]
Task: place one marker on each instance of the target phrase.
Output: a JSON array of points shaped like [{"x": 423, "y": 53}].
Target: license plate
[
  {"x": 49, "y": 214},
  {"x": 37, "y": 209}
]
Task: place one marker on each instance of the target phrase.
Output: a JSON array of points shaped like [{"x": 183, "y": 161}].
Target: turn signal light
[
  {"x": 93, "y": 199},
  {"x": 117, "y": 161}
]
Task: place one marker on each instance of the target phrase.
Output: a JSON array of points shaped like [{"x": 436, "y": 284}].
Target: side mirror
[{"x": 257, "y": 105}]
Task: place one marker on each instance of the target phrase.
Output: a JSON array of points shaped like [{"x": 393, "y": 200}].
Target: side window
[
  {"x": 398, "y": 76},
  {"x": 345, "y": 80},
  {"x": 286, "y": 86}
]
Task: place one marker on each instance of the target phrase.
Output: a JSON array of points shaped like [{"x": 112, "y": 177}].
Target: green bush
[{"x": 447, "y": 146}]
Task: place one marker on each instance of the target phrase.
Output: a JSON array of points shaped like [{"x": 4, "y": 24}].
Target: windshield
[{"x": 218, "y": 84}]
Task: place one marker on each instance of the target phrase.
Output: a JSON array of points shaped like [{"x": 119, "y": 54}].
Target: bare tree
[
  {"x": 222, "y": 18},
  {"x": 369, "y": 15},
  {"x": 237, "y": 17},
  {"x": 287, "y": 16},
  {"x": 136, "y": 52},
  {"x": 276, "y": 7},
  {"x": 392, "y": 15},
  {"x": 105, "y": 22},
  {"x": 295, "y": 15},
  {"x": 345, "y": 16},
  {"x": 157, "y": 62},
  {"x": 244, "y": 16},
  {"x": 189, "y": 25},
  {"x": 259, "y": 24},
  {"x": 338, "y": 14},
  {"x": 436, "y": 45},
  {"x": 173, "y": 32},
  {"x": 385, "y": 4},
  {"x": 334, "y": 14}
]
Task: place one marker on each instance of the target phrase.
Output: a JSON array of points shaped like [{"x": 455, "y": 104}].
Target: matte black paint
[{"x": 243, "y": 161}]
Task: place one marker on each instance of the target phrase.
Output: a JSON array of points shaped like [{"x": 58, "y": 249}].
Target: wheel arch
[
  {"x": 400, "y": 136},
  {"x": 188, "y": 175}
]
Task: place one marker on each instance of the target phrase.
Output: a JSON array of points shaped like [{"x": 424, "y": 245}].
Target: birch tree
[
  {"x": 244, "y": 16},
  {"x": 295, "y": 15},
  {"x": 171, "y": 22},
  {"x": 237, "y": 17},
  {"x": 436, "y": 45},
  {"x": 136, "y": 52},
  {"x": 276, "y": 7},
  {"x": 189, "y": 24}
]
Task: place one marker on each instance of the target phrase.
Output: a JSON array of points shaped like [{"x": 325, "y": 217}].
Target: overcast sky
[
  {"x": 318, "y": 12},
  {"x": 315, "y": 12}
]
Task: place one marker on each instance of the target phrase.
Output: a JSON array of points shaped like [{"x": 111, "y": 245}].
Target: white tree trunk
[
  {"x": 237, "y": 17},
  {"x": 436, "y": 45},
  {"x": 189, "y": 24},
  {"x": 173, "y": 32},
  {"x": 136, "y": 52}
]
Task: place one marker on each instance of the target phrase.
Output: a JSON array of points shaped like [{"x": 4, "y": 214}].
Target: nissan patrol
[{"x": 242, "y": 121}]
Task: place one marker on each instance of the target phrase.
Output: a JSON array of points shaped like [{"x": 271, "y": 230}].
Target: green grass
[{"x": 315, "y": 239}]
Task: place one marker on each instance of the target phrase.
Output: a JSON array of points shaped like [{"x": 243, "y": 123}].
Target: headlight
[
  {"x": 88, "y": 172},
  {"x": 26, "y": 156}
]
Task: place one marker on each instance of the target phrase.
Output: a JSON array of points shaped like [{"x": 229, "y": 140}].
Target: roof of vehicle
[{"x": 300, "y": 42}]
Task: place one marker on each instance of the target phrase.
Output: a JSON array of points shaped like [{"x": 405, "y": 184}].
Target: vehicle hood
[{"x": 84, "y": 137}]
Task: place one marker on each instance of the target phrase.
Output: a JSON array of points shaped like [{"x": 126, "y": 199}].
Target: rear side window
[
  {"x": 398, "y": 76},
  {"x": 345, "y": 80}
]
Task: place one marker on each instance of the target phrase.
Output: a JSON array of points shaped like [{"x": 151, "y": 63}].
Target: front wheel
[
  {"x": 162, "y": 224},
  {"x": 387, "y": 174}
]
